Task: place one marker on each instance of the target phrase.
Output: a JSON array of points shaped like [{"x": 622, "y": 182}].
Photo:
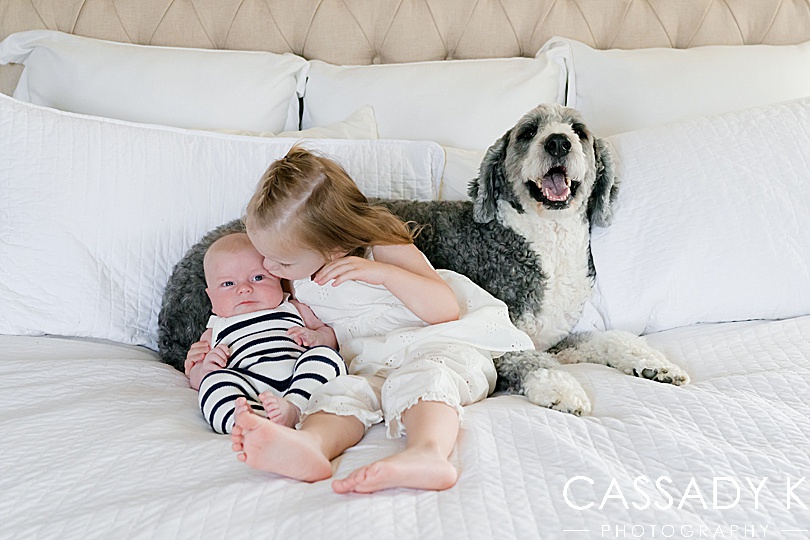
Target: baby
[{"x": 265, "y": 347}]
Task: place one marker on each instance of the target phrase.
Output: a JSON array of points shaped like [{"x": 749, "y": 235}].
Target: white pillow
[
  {"x": 712, "y": 222},
  {"x": 622, "y": 90},
  {"x": 464, "y": 104},
  {"x": 190, "y": 88},
  {"x": 94, "y": 213},
  {"x": 460, "y": 167},
  {"x": 359, "y": 125}
]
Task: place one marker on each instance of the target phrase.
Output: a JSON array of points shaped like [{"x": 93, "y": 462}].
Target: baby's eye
[
  {"x": 258, "y": 277},
  {"x": 227, "y": 284}
]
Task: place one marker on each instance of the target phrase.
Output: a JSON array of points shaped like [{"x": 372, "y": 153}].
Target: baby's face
[{"x": 238, "y": 283}]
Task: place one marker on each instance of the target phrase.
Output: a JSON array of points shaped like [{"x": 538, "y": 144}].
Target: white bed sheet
[{"x": 102, "y": 440}]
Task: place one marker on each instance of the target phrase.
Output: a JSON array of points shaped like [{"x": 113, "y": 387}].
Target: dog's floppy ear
[
  {"x": 485, "y": 189},
  {"x": 605, "y": 186}
]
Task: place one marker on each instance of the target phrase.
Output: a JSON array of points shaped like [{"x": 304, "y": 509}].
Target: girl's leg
[
  {"x": 302, "y": 454},
  {"x": 432, "y": 430}
]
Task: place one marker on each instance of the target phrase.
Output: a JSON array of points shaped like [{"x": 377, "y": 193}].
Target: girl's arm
[
  {"x": 404, "y": 271},
  {"x": 315, "y": 332}
]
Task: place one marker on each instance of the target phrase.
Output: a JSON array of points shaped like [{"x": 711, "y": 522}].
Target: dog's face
[
  {"x": 549, "y": 162},
  {"x": 549, "y": 157}
]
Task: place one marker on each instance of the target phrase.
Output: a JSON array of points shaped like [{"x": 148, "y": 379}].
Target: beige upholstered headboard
[{"x": 385, "y": 31}]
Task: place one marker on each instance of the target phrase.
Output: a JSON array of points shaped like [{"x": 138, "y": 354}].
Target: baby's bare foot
[
  {"x": 279, "y": 410},
  {"x": 412, "y": 468},
  {"x": 278, "y": 449}
]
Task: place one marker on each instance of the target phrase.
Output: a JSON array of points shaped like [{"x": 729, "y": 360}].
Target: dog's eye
[
  {"x": 580, "y": 130},
  {"x": 527, "y": 133}
]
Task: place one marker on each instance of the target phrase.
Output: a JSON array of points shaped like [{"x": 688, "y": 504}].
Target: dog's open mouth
[
  {"x": 555, "y": 185},
  {"x": 555, "y": 189}
]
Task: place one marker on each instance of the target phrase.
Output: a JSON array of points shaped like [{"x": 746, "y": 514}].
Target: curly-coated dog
[{"x": 525, "y": 238}]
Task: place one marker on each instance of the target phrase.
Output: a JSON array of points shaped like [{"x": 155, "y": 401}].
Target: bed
[{"x": 114, "y": 162}]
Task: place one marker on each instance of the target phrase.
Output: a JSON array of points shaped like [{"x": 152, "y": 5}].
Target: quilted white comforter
[{"x": 104, "y": 441}]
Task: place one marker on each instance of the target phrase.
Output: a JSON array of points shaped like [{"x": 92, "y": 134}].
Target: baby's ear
[{"x": 209, "y": 298}]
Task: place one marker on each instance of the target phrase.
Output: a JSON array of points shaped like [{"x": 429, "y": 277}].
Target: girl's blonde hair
[{"x": 312, "y": 200}]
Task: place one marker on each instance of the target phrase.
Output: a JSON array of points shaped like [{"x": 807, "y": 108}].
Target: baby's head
[
  {"x": 307, "y": 211},
  {"x": 236, "y": 279}
]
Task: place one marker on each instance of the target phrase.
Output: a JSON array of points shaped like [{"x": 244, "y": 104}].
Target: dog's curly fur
[{"x": 525, "y": 238}]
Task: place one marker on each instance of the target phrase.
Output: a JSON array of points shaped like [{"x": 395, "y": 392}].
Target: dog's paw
[
  {"x": 669, "y": 374},
  {"x": 653, "y": 365},
  {"x": 556, "y": 390}
]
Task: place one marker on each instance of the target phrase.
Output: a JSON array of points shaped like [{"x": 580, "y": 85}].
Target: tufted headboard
[{"x": 387, "y": 31}]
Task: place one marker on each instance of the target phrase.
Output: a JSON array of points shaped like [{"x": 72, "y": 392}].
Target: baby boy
[{"x": 265, "y": 347}]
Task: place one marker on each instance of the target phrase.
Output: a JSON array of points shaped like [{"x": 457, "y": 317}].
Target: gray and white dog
[{"x": 525, "y": 238}]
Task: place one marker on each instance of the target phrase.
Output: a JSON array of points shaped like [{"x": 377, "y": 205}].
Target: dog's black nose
[{"x": 557, "y": 145}]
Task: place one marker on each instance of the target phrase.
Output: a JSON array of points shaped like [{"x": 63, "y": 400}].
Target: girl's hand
[
  {"x": 315, "y": 333},
  {"x": 353, "y": 268},
  {"x": 307, "y": 337}
]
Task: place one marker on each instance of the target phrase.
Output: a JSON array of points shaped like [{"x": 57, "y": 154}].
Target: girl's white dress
[{"x": 394, "y": 358}]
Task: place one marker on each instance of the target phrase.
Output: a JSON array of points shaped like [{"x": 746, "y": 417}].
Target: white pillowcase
[
  {"x": 464, "y": 104},
  {"x": 95, "y": 213},
  {"x": 622, "y": 90},
  {"x": 460, "y": 168},
  {"x": 712, "y": 222},
  {"x": 359, "y": 125},
  {"x": 190, "y": 88}
]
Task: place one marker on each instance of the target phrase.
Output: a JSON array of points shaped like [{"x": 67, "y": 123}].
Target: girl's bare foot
[
  {"x": 413, "y": 468},
  {"x": 271, "y": 447},
  {"x": 279, "y": 410}
]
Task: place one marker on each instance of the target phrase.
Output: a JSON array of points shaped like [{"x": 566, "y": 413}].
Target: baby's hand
[
  {"x": 196, "y": 354},
  {"x": 353, "y": 268},
  {"x": 217, "y": 358},
  {"x": 307, "y": 337},
  {"x": 212, "y": 359}
]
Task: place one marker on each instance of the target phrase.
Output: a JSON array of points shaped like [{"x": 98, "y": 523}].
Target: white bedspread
[{"x": 104, "y": 441}]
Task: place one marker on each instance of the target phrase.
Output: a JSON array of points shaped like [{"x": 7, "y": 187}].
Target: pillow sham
[
  {"x": 465, "y": 104},
  {"x": 460, "y": 167},
  {"x": 94, "y": 213},
  {"x": 189, "y": 88},
  {"x": 623, "y": 90},
  {"x": 359, "y": 125},
  {"x": 712, "y": 222}
]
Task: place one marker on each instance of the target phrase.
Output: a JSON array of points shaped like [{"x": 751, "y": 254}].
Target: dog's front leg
[
  {"x": 531, "y": 373},
  {"x": 624, "y": 351}
]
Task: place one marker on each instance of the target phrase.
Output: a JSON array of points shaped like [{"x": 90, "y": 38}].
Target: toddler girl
[{"x": 418, "y": 342}]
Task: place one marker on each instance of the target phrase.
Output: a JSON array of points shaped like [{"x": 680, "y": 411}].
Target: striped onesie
[{"x": 263, "y": 358}]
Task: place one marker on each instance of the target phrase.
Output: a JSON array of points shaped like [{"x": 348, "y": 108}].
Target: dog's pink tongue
[{"x": 554, "y": 187}]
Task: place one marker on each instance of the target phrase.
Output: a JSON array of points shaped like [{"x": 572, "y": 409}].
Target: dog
[{"x": 525, "y": 238}]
